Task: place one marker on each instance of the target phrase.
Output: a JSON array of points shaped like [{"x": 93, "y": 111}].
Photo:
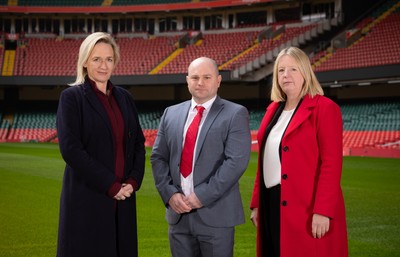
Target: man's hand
[
  {"x": 178, "y": 204},
  {"x": 192, "y": 201}
]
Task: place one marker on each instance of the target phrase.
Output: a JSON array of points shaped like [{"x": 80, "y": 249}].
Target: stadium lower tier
[{"x": 358, "y": 143}]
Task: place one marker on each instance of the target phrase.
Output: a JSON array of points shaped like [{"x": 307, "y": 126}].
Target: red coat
[{"x": 311, "y": 159}]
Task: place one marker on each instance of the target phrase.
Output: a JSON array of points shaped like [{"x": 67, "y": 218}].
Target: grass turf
[{"x": 30, "y": 185}]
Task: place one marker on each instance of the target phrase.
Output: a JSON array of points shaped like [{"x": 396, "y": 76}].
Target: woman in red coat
[{"x": 297, "y": 204}]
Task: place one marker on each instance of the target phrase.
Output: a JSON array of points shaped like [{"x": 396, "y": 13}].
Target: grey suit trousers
[{"x": 191, "y": 237}]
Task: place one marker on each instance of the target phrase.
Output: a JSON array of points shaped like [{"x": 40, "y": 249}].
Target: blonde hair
[
  {"x": 311, "y": 85},
  {"x": 86, "y": 49}
]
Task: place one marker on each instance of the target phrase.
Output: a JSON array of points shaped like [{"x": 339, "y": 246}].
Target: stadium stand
[
  {"x": 59, "y": 3},
  {"x": 47, "y": 57},
  {"x": 33, "y": 122},
  {"x": 4, "y": 125},
  {"x": 150, "y": 119},
  {"x": 383, "y": 30},
  {"x": 369, "y": 125},
  {"x": 221, "y": 46},
  {"x": 1, "y": 57},
  {"x": 145, "y": 2},
  {"x": 141, "y": 55},
  {"x": 57, "y": 57},
  {"x": 48, "y": 54},
  {"x": 267, "y": 45}
]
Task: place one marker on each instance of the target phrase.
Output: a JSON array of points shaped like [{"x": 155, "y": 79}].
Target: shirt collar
[
  {"x": 206, "y": 105},
  {"x": 94, "y": 87}
]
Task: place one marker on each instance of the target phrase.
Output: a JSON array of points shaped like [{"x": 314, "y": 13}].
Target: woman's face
[
  {"x": 100, "y": 63},
  {"x": 290, "y": 79}
]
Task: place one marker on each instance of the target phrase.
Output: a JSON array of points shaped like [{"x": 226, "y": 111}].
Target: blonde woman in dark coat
[{"x": 102, "y": 144}]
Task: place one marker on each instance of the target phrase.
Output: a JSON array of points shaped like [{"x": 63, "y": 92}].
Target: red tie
[{"x": 190, "y": 141}]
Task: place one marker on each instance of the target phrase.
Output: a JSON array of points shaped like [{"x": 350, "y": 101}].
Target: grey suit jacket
[{"x": 222, "y": 155}]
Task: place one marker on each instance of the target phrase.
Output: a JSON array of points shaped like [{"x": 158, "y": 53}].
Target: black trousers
[{"x": 271, "y": 221}]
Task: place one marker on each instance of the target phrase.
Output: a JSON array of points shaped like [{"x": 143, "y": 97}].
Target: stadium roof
[{"x": 131, "y": 8}]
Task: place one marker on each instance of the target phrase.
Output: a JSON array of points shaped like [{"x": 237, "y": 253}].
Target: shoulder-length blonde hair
[
  {"x": 86, "y": 49},
  {"x": 311, "y": 85}
]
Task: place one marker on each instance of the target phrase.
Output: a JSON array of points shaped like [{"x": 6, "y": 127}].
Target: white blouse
[{"x": 272, "y": 163}]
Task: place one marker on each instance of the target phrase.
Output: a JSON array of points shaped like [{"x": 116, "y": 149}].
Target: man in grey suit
[{"x": 202, "y": 208}]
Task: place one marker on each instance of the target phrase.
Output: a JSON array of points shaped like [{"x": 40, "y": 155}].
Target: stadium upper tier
[
  {"x": 141, "y": 54},
  {"x": 379, "y": 44},
  {"x": 231, "y": 48}
]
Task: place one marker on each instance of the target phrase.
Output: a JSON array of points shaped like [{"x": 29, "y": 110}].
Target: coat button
[
  {"x": 284, "y": 203},
  {"x": 284, "y": 176},
  {"x": 285, "y": 148}
]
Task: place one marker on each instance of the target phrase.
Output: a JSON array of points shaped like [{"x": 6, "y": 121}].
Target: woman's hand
[
  {"x": 254, "y": 216},
  {"x": 125, "y": 192},
  {"x": 319, "y": 225}
]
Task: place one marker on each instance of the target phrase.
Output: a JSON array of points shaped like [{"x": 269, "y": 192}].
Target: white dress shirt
[{"x": 187, "y": 183}]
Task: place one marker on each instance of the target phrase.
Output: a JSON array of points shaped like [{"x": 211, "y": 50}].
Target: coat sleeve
[
  {"x": 69, "y": 131},
  {"x": 255, "y": 198},
  {"x": 330, "y": 141},
  {"x": 139, "y": 152}
]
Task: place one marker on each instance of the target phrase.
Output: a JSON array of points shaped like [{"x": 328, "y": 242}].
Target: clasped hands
[
  {"x": 183, "y": 204},
  {"x": 125, "y": 192},
  {"x": 319, "y": 224}
]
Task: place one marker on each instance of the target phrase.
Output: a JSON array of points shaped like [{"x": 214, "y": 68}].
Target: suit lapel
[
  {"x": 302, "y": 113},
  {"x": 182, "y": 113},
  {"x": 215, "y": 109}
]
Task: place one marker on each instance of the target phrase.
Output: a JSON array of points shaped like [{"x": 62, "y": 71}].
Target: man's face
[{"x": 203, "y": 81}]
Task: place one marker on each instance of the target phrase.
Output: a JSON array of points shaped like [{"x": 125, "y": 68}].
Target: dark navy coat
[{"x": 88, "y": 222}]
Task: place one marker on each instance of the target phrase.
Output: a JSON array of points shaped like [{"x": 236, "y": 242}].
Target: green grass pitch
[{"x": 30, "y": 185}]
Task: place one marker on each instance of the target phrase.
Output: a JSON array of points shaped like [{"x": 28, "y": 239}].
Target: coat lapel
[
  {"x": 95, "y": 103},
  {"x": 120, "y": 101},
  {"x": 302, "y": 113},
  {"x": 270, "y": 112},
  {"x": 123, "y": 107}
]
